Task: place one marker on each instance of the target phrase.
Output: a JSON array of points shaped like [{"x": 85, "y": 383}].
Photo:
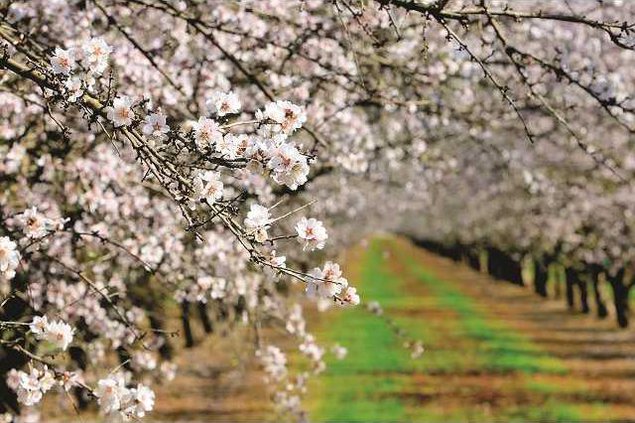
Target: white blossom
[
  {"x": 96, "y": 52},
  {"x": 9, "y": 257},
  {"x": 38, "y": 325},
  {"x": 29, "y": 390},
  {"x": 417, "y": 350},
  {"x": 326, "y": 282},
  {"x": 223, "y": 103},
  {"x": 339, "y": 351},
  {"x": 218, "y": 288},
  {"x": 137, "y": 402},
  {"x": 288, "y": 165},
  {"x": 208, "y": 186},
  {"x": 312, "y": 233},
  {"x": 350, "y": 296},
  {"x": 257, "y": 221},
  {"x": 289, "y": 116},
  {"x": 120, "y": 113},
  {"x": 273, "y": 259},
  {"x": 73, "y": 87},
  {"x": 312, "y": 350},
  {"x": 274, "y": 362},
  {"x": 13, "y": 379},
  {"x": 30, "y": 387},
  {"x": 13, "y": 159},
  {"x": 35, "y": 224},
  {"x": 229, "y": 145},
  {"x": 206, "y": 132},
  {"x": 69, "y": 380},
  {"x": 58, "y": 333},
  {"x": 155, "y": 126},
  {"x": 110, "y": 393},
  {"x": 63, "y": 61}
]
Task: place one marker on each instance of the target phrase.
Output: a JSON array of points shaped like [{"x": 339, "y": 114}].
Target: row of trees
[{"x": 582, "y": 284}]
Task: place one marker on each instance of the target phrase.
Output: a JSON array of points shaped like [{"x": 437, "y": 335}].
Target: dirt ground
[{"x": 599, "y": 357}]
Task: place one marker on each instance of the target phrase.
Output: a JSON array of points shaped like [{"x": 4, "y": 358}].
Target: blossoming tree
[{"x": 211, "y": 152}]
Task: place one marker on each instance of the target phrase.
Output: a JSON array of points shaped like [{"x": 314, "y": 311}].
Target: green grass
[
  {"x": 364, "y": 387},
  {"x": 549, "y": 411},
  {"x": 544, "y": 387},
  {"x": 499, "y": 348},
  {"x": 557, "y": 411},
  {"x": 380, "y": 382}
]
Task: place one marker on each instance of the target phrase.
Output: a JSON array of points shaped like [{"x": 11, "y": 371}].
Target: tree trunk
[
  {"x": 158, "y": 323},
  {"x": 557, "y": 279},
  {"x": 473, "y": 259},
  {"x": 223, "y": 312},
  {"x": 541, "y": 276},
  {"x": 11, "y": 359},
  {"x": 187, "y": 329},
  {"x": 124, "y": 358},
  {"x": 620, "y": 297},
  {"x": 13, "y": 308},
  {"x": 494, "y": 263},
  {"x": 456, "y": 252},
  {"x": 202, "y": 312},
  {"x": 516, "y": 271},
  {"x": 584, "y": 294},
  {"x": 571, "y": 279},
  {"x": 79, "y": 356},
  {"x": 600, "y": 305},
  {"x": 576, "y": 279},
  {"x": 149, "y": 296}
]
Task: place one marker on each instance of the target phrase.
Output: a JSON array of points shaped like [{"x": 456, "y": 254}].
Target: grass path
[{"x": 493, "y": 350}]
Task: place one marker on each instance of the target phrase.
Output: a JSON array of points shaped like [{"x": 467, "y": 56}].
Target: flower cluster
[
  {"x": 9, "y": 258},
  {"x": 113, "y": 396},
  {"x": 257, "y": 222},
  {"x": 223, "y": 104},
  {"x": 326, "y": 282},
  {"x": 274, "y": 362},
  {"x": 121, "y": 113},
  {"x": 155, "y": 126},
  {"x": 312, "y": 233},
  {"x": 30, "y": 387},
  {"x": 208, "y": 186},
  {"x": 284, "y": 115},
  {"x": 313, "y": 352},
  {"x": 35, "y": 224},
  {"x": 207, "y": 133},
  {"x": 80, "y": 65},
  {"x": 288, "y": 165},
  {"x": 58, "y": 333}
]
